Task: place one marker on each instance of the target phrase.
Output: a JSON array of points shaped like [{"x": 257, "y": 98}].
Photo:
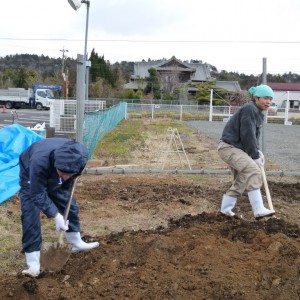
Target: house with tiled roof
[
  {"x": 284, "y": 91},
  {"x": 174, "y": 71}
]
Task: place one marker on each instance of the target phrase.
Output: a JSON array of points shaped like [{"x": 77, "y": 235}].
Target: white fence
[
  {"x": 200, "y": 112},
  {"x": 63, "y": 113}
]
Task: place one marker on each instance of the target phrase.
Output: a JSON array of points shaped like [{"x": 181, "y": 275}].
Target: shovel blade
[{"x": 54, "y": 257}]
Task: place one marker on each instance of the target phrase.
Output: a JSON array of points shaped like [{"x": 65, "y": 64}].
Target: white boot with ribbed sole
[
  {"x": 33, "y": 263},
  {"x": 257, "y": 204},
  {"x": 74, "y": 238},
  {"x": 228, "y": 203}
]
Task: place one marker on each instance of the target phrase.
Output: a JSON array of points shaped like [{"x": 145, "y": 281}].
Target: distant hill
[
  {"x": 46, "y": 67},
  {"x": 43, "y": 65}
]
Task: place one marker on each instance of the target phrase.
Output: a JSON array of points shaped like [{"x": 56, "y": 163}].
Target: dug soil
[{"x": 162, "y": 237}]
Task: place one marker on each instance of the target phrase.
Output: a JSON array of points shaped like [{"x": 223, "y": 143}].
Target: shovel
[
  {"x": 264, "y": 178},
  {"x": 55, "y": 256}
]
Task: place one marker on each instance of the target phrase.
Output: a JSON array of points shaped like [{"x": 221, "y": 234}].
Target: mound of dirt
[{"x": 163, "y": 238}]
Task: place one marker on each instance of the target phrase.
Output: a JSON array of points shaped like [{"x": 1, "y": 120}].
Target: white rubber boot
[
  {"x": 33, "y": 263},
  {"x": 257, "y": 204},
  {"x": 74, "y": 238},
  {"x": 228, "y": 203}
]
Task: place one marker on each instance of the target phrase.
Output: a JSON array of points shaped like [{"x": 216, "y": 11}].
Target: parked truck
[{"x": 39, "y": 97}]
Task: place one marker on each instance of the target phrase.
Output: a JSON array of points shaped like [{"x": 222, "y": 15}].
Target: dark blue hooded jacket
[{"x": 38, "y": 175}]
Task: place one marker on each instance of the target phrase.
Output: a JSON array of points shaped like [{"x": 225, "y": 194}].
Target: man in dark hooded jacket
[{"x": 47, "y": 170}]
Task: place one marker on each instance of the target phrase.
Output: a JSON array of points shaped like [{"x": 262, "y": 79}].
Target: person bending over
[{"x": 47, "y": 171}]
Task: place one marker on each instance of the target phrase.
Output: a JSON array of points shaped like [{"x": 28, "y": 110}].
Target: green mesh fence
[{"x": 98, "y": 123}]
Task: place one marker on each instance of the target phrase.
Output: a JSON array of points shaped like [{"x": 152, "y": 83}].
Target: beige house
[{"x": 174, "y": 71}]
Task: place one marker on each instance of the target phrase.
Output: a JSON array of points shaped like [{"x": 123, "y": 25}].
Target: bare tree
[
  {"x": 170, "y": 78},
  {"x": 239, "y": 98}
]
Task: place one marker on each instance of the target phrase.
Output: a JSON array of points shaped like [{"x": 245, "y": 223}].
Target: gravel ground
[{"x": 282, "y": 142}]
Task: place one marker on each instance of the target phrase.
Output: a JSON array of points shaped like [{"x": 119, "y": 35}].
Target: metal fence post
[
  {"x": 152, "y": 111},
  {"x": 210, "y": 105},
  {"x": 80, "y": 97},
  {"x": 286, "y": 111},
  {"x": 125, "y": 111},
  {"x": 180, "y": 118}
]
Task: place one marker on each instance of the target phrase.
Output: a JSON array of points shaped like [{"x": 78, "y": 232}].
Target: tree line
[{"x": 106, "y": 80}]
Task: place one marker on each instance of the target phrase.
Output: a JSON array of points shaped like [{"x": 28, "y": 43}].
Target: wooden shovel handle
[
  {"x": 60, "y": 238},
  {"x": 67, "y": 209},
  {"x": 264, "y": 178}
]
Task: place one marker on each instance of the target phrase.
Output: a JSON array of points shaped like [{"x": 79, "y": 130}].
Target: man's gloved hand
[
  {"x": 60, "y": 223},
  {"x": 259, "y": 162},
  {"x": 261, "y": 155}
]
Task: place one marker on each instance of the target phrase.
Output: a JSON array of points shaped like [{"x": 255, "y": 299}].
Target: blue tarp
[{"x": 14, "y": 139}]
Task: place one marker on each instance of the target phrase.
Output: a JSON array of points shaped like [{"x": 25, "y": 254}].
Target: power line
[{"x": 154, "y": 41}]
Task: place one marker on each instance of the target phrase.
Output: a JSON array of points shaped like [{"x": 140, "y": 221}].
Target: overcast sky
[{"x": 232, "y": 35}]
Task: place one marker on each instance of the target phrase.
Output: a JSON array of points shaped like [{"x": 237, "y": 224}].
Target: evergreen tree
[
  {"x": 20, "y": 77},
  {"x": 153, "y": 83},
  {"x": 101, "y": 69}
]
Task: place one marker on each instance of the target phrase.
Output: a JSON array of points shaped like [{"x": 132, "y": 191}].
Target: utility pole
[
  {"x": 63, "y": 59},
  {"x": 65, "y": 76},
  {"x": 264, "y": 81},
  {"x": 80, "y": 96}
]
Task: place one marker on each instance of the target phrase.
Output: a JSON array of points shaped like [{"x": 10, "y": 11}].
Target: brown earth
[{"x": 162, "y": 237}]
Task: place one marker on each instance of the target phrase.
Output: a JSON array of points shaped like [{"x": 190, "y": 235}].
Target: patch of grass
[
  {"x": 123, "y": 242},
  {"x": 118, "y": 145},
  {"x": 11, "y": 257},
  {"x": 10, "y": 240},
  {"x": 163, "y": 125}
]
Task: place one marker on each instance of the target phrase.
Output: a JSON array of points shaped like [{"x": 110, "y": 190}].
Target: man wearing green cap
[{"x": 239, "y": 148}]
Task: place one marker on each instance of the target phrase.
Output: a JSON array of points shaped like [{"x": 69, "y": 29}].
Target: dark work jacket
[
  {"x": 38, "y": 175},
  {"x": 243, "y": 129}
]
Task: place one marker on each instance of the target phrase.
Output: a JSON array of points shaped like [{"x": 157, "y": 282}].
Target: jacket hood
[{"x": 71, "y": 157}]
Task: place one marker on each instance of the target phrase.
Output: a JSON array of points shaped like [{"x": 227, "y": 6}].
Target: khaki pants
[{"x": 246, "y": 173}]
